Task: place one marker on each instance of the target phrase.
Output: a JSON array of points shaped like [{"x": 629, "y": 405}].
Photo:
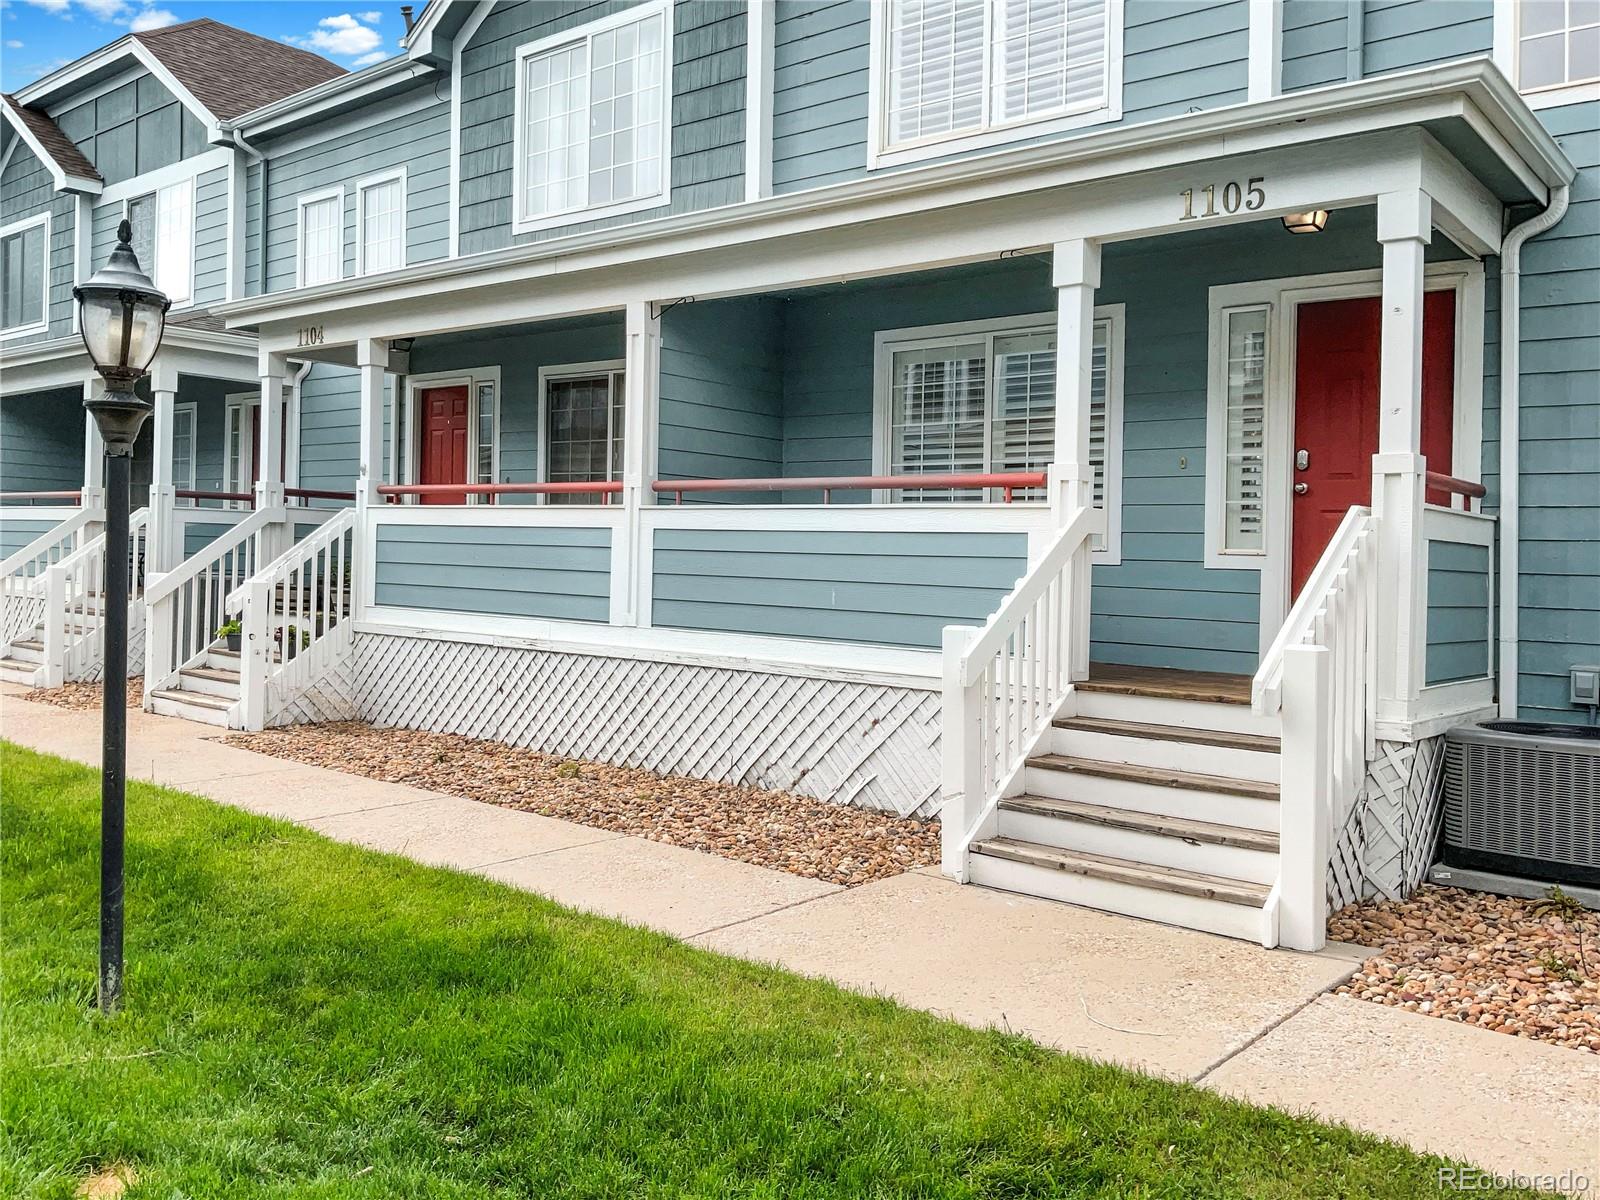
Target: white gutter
[{"x": 1511, "y": 436}]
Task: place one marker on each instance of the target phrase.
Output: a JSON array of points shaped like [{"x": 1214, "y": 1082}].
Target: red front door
[
  {"x": 255, "y": 443},
  {"x": 1336, "y": 412},
  {"x": 443, "y": 458}
]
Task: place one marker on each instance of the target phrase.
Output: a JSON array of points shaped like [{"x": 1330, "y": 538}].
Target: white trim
[
  {"x": 152, "y": 181},
  {"x": 341, "y": 129},
  {"x": 392, "y": 175},
  {"x": 11, "y": 148},
  {"x": 554, "y": 374},
  {"x": 1109, "y": 554},
  {"x": 155, "y": 192},
  {"x": 82, "y": 245},
  {"x": 760, "y": 48},
  {"x": 42, "y": 325},
  {"x": 236, "y": 416},
  {"x": 193, "y": 409},
  {"x": 1282, "y": 298},
  {"x": 301, "y": 203},
  {"x": 520, "y": 222},
  {"x": 1266, "y": 49},
  {"x": 458, "y": 46},
  {"x": 1507, "y": 56},
  {"x": 77, "y": 99},
  {"x": 58, "y": 176},
  {"x": 468, "y": 378},
  {"x": 880, "y": 153}
]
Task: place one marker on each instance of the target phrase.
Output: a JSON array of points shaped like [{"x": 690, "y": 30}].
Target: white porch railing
[
  {"x": 1004, "y": 684},
  {"x": 185, "y": 606},
  {"x": 22, "y": 574},
  {"x": 295, "y": 613},
  {"x": 74, "y": 608},
  {"x": 1321, "y": 674}
]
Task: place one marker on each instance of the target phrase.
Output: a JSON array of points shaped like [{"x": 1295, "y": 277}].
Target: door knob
[{"x": 1300, "y": 489}]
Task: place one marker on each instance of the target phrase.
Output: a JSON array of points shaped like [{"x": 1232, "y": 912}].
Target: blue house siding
[
  {"x": 136, "y": 128},
  {"x": 707, "y": 169},
  {"x": 41, "y": 441},
  {"x": 897, "y": 589},
  {"x": 1458, "y": 635},
  {"x": 1402, "y": 34},
  {"x": 418, "y": 141},
  {"x": 26, "y": 191},
  {"x": 16, "y": 532},
  {"x": 1178, "y": 55},
  {"x": 504, "y": 570},
  {"x": 211, "y": 237},
  {"x": 1316, "y": 48}
]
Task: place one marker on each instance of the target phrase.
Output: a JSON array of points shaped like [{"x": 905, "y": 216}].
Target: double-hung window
[
  {"x": 381, "y": 223},
  {"x": 1557, "y": 44},
  {"x": 592, "y": 119},
  {"x": 163, "y": 238},
  {"x": 983, "y": 399},
  {"x": 954, "y": 74},
  {"x": 24, "y": 268},
  {"x": 321, "y": 238}
]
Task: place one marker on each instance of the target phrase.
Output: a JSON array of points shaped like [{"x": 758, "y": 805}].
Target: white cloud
[
  {"x": 366, "y": 60},
  {"x": 55, "y": 6},
  {"x": 152, "y": 18},
  {"x": 105, "y": 10},
  {"x": 13, "y": 44},
  {"x": 371, "y": 18},
  {"x": 343, "y": 36}
]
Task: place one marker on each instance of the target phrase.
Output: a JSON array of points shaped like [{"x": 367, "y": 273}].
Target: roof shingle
[
  {"x": 56, "y": 144},
  {"x": 231, "y": 71}
]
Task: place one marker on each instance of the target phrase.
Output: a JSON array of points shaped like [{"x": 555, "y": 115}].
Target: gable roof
[
  {"x": 231, "y": 71},
  {"x": 54, "y": 148}
]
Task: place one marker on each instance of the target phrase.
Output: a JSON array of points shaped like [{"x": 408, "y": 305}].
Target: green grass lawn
[{"x": 308, "y": 1019}]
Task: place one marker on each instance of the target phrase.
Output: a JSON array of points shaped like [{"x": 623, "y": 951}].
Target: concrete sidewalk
[{"x": 1231, "y": 1016}]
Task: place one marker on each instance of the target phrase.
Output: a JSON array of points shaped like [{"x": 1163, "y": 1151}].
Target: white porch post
[
  {"x": 94, "y": 450},
  {"x": 1305, "y": 803},
  {"x": 269, "y": 450},
  {"x": 1405, "y": 226},
  {"x": 372, "y": 360},
  {"x": 1077, "y": 275},
  {"x": 160, "y": 555},
  {"x": 630, "y": 568}
]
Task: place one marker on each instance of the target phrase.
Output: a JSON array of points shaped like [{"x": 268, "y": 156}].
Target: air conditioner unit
[{"x": 1524, "y": 799}]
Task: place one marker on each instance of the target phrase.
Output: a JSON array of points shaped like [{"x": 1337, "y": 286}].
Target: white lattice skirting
[
  {"x": 854, "y": 743},
  {"x": 1388, "y": 840}
]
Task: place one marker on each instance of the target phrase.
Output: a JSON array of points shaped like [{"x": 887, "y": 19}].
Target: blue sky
[{"x": 38, "y": 36}]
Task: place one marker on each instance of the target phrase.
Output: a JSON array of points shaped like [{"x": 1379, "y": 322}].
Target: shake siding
[
  {"x": 419, "y": 141},
  {"x": 1178, "y": 55},
  {"x": 26, "y": 191},
  {"x": 707, "y": 167},
  {"x": 41, "y": 442}
]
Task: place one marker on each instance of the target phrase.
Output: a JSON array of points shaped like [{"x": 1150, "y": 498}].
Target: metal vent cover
[{"x": 1530, "y": 796}]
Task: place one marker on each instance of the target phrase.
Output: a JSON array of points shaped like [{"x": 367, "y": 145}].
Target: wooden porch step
[
  {"x": 1157, "y": 776},
  {"x": 1119, "y": 870},
  {"x": 1259, "y": 742},
  {"x": 215, "y": 674},
  {"x": 198, "y": 699},
  {"x": 1199, "y": 832},
  {"x": 1206, "y": 687}
]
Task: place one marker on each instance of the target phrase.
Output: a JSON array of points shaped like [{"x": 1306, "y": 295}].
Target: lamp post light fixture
[{"x": 122, "y": 316}]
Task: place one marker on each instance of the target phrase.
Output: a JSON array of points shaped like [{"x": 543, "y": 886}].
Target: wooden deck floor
[{"x": 1210, "y": 686}]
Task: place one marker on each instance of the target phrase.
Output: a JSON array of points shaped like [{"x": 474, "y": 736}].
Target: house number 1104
[{"x": 1233, "y": 198}]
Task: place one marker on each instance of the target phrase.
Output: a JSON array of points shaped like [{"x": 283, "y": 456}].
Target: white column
[
  {"x": 1305, "y": 804},
  {"x": 372, "y": 360},
  {"x": 760, "y": 39},
  {"x": 161, "y": 553},
  {"x": 94, "y": 451},
  {"x": 1077, "y": 275},
  {"x": 630, "y": 550},
  {"x": 269, "y": 450},
  {"x": 1404, "y": 228}
]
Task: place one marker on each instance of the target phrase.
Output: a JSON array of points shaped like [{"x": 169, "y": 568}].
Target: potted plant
[
  {"x": 230, "y": 632},
  {"x": 297, "y": 641}
]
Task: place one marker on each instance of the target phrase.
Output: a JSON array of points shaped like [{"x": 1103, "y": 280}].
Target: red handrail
[
  {"x": 76, "y": 496},
  {"x": 1008, "y": 481},
  {"x": 1437, "y": 481},
  {"x": 315, "y": 494},
  {"x": 190, "y": 494},
  {"x": 605, "y": 489}
]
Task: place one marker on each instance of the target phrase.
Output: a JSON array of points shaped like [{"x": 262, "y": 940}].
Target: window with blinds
[
  {"x": 24, "y": 249},
  {"x": 968, "y": 405},
  {"x": 163, "y": 238},
  {"x": 381, "y": 219},
  {"x": 1243, "y": 471},
  {"x": 583, "y": 431},
  {"x": 321, "y": 239},
  {"x": 955, "y": 67}
]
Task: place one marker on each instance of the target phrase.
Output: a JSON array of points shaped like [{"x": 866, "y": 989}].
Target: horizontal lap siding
[
  {"x": 26, "y": 190},
  {"x": 418, "y": 141},
  {"x": 708, "y": 68},
  {"x": 888, "y": 588},
  {"x": 211, "y": 237},
  {"x": 41, "y": 441},
  {"x": 1177, "y": 57},
  {"x": 562, "y": 574},
  {"x": 330, "y": 429},
  {"x": 16, "y": 532},
  {"x": 1401, "y": 34},
  {"x": 1458, "y": 645},
  {"x": 1316, "y": 49}
]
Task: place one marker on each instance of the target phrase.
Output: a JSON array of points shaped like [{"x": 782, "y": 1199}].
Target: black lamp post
[{"x": 122, "y": 316}]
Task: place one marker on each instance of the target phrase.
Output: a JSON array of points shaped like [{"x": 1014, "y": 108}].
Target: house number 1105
[{"x": 1234, "y": 197}]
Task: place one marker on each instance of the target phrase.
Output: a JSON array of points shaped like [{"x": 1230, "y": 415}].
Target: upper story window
[
  {"x": 163, "y": 238},
  {"x": 381, "y": 223},
  {"x": 961, "y": 74},
  {"x": 1558, "y": 43},
  {"x": 321, "y": 244},
  {"x": 593, "y": 127},
  {"x": 24, "y": 267}
]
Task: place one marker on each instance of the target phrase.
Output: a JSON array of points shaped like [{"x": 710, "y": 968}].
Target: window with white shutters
[
  {"x": 957, "y": 68},
  {"x": 1243, "y": 468},
  {"x": 163, "y": 238},
  {"x": 381, "y": 221},
  {"x": 593, "y": 118},
  {"x": 24, "y": 251},
  {"x": 321, "y": 239}
]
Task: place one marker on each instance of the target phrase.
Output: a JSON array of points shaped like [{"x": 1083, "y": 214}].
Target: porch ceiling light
[
  {"x": 122, "y": 316},
  {"x": 1314, "y": 221}
]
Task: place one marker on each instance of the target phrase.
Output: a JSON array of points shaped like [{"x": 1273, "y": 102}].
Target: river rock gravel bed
[
  {"x": 1530, "y": 968},
  {"x": 778, "y": 830},
  {"x": 83, "y": 695}
]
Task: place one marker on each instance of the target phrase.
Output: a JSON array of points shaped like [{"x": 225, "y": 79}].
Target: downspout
[
  {"x": 260, "y": 159},
  {"x": 1511, "y": 436},
  {"x": 294, "y": 409},
  {"x": 1355, "y": 40}
]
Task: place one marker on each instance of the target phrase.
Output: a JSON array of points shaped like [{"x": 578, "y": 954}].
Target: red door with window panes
[
  {"x": 445, "y": 429},
  {"x": 1336, "y": 412}
]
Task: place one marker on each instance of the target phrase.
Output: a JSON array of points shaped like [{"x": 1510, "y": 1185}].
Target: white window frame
[
  {"x": 1282, "y": 298},
  {"x": 238, "y": 406},
  {"x": 522, "y": 223},
  {"x": 1508, "y": 56},
  {"x": 301, "y": 203},
  {"x": 193, "y": 410},
  {"x": 469, "y": 378},
  {"x": 362, "y": 186},
  {"x": 555, "y": 373},
  {"x": 889, "y": 341},
  {"x": 42, "y": 325},
  {"x": 154, "y": 190},
  {"x": 881, "y": 152}
]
